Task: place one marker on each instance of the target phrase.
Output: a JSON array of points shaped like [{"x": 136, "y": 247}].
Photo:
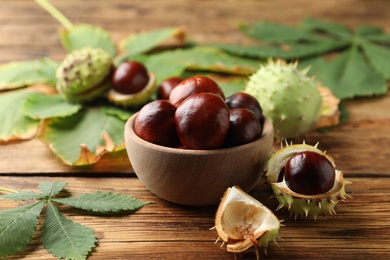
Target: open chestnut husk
[
  {"x": 305, "y": 180},
  {"x": 133, "y": 85}
]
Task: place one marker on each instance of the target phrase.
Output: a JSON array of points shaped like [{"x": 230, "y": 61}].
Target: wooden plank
[
  {"x": 171, "y": 231},
  {"x": 27, "y": 31}
]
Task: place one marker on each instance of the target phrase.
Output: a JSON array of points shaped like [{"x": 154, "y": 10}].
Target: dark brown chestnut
[
  {"x": 244, "y": 127},
  {"x": 193, "y": 85},
  {"x": 166, "y": 87},
  {"x": 309, "y": 173},
  {"x": 202, "y": 121},
  {"x": 244, "y": 100},
  {"x": 130, "y": 77},
  {"x": 155, "y": 123}
]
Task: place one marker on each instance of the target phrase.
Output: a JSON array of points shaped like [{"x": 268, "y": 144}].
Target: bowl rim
[{"x": 130, "y": 133}]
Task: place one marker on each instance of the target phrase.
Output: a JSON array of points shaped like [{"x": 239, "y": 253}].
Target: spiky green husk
[
  {"x": 310, "y": 206},
  {"x": 300, "y": 204},
  {"x": 288, "y": 97},
  {"x": 136, "y": 99},
  {"x": 84, "y": 74}
]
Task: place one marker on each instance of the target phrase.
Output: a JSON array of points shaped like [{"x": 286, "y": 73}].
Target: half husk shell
[{"x": 243, "y": 222}]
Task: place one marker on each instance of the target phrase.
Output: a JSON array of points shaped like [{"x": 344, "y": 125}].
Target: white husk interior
[{"x": 243, "y": 222}]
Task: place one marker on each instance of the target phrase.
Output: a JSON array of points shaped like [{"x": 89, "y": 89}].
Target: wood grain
[
  {"x": 164, "y": 230},
  {"x": 176, "y": 232}
]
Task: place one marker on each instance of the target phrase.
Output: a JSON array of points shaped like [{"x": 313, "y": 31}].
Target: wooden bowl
[{"x": 197, "y": 177}]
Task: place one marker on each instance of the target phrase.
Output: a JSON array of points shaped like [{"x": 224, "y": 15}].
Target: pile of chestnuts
[{"x": 192, "y": 113}]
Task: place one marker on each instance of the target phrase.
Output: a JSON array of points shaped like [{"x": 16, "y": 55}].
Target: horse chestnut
[
  {"x": 244, "y": 127},
  {"x": 155, "y": 123},
  {"x": 130, "y": 77},
  {"x": 166, "y": 87},
  {"x": 244, "y": 100},
  {"x": 193, "y": 85},
  {"x": 202, "y": 121},
  {"x": 309, "y": 173}
]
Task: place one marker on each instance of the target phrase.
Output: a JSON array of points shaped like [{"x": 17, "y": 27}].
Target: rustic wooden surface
[{"x": 360, "y": 146}]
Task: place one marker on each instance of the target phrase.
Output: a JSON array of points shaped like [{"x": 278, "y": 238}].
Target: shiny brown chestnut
[
  {"x": 309, "y": 173},
  {"x": 193, "y": 85},
  {"x": 244, "y": 100},
  {"x": 155, "y": 123},
  {"x": 244, "y": 127},
  {"x": 166, "y": 87},
  {"x": 130, "y": 77},
  {"x": 202, "y": 121}
]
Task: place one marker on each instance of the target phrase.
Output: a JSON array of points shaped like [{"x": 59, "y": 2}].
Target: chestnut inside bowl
[{"x": 197, "y": 177}]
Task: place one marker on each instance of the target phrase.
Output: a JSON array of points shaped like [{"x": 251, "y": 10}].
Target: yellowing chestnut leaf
[{"x": 81, "y": 139}]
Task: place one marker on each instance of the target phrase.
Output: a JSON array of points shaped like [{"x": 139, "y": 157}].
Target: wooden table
[{"x": 361, "y": 147}]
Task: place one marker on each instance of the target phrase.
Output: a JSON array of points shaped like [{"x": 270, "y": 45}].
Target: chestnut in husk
[
  {"x": 309, "y": 173},
  {"x": 130, "y": 77},
  {"x": 305, "y": 180}
]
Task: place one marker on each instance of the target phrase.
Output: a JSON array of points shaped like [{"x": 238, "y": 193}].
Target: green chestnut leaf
[
  {"x": 65, "y": 238},
  {"x": 17, "y": 226},
  {"x": 20, "y": 74},
  {"x": 143, "y": 42},
  {"x": 379, "y": 57},
  {"x": 103, "y": 202},
  {"x": 42, "y": 106},
  {"x": 118, "y": 112},
  {"x": 61, "y": 236},
  {"x": 86, "y": 35},
  {"x": 349, "y": 67},
  {"x": 15, "y": 125},
  {"x": 359, "y": 65},
  {"x": 50, "y": 189},
  {"x": 173, "y": 62}
]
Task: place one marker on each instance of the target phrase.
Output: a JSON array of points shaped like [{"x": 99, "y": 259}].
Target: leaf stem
[
  {"x": 55, "y": 13},
  {"x": 7, "y": 190}
]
